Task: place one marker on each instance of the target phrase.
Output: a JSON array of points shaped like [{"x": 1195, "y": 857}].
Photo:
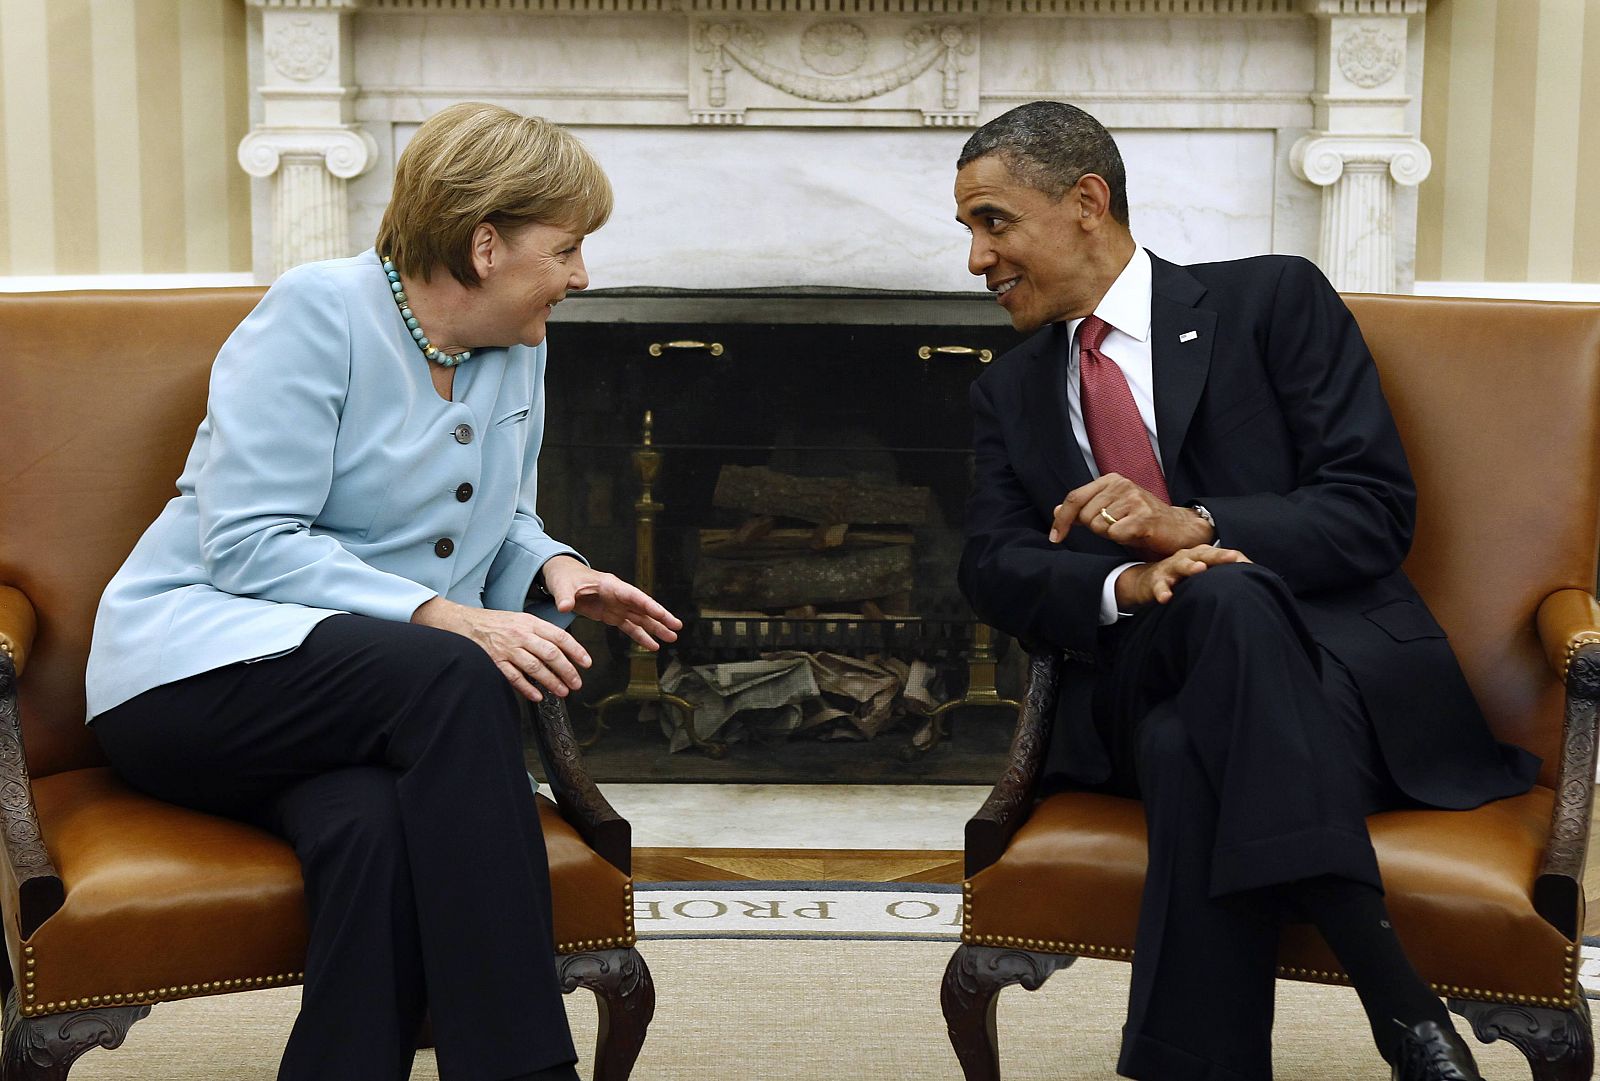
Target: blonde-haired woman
[{"x": 323, "y": 632}]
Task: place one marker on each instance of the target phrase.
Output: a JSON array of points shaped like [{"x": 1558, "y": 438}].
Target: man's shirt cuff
[{"x": 1108, "y": 597}]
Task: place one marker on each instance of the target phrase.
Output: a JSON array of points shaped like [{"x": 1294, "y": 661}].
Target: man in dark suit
[{"x": 1190, "y": 483}]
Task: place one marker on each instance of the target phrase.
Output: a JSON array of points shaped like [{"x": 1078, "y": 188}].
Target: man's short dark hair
[{"x": 1051, "y": 146}]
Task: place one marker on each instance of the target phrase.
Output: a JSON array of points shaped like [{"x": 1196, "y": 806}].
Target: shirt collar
[{"x": 1126, "y": 305}]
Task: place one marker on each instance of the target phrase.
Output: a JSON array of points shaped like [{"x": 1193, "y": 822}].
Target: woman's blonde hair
[{"x": 476, "y": 162}]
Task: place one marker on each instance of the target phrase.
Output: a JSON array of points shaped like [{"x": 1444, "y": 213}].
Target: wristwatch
[{"x": 1205, "y": 516}]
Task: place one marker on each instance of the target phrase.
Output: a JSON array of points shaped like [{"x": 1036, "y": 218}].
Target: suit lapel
[
  {"x": 1048, "y": 418},
  {"x": 1181, "y": 337}
]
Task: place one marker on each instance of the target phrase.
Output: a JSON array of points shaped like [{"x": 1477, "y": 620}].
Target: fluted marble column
[
  {"x": 309, "y": 168},
  {"x": 1360, "y": 147},
  {"x": 1358, "y": 175},
  {"x": 306, "y": 144}
]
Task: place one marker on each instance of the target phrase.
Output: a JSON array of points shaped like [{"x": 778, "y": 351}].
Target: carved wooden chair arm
[
  {"x": 39, "y": 890},
  {"x": 1569, "y": 629},
  {"x": 581, "y": 803},
  {"x": 1007, "y": 807}
]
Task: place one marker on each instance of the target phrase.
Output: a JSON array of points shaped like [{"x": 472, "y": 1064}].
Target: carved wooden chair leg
[
  {"x": 1558, "y": 1044},
  {"x": 626, "y": 997},
  {"x": 972, "y": 983},
  {"x": 44, "y": 1048}
]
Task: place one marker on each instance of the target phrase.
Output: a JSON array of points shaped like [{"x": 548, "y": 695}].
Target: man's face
[{"x": 1029, "y": 248}]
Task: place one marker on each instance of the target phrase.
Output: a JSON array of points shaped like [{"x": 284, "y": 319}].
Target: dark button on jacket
[
  {"x": 443, "y": 547},
  {"x": 464, "y": 493}
]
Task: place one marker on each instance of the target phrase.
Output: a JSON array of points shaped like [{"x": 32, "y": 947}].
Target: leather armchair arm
[
  {"x": 1002, "y": 814},
  {"x": 581, "y": 803},
  {"x": 1569, "y": 619},
  {"x": 17, "y": 625},
  {"x": 39, "y": 890},
  {"x": 1569, "y": 630}
]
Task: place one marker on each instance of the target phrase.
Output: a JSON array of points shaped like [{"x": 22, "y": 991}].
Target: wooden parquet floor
[{"x": 793, "y": 865}]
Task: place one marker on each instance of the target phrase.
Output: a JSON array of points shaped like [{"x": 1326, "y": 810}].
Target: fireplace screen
[{"x": 793, "y": 489}]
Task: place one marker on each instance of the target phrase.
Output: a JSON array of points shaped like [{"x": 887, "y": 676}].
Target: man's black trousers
[
  {"x": 1257, "y": 766},
  {"x": 390, "y": 756}
]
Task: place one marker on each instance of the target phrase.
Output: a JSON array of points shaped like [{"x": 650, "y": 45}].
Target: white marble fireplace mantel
[{"x": 812, "y": 142}]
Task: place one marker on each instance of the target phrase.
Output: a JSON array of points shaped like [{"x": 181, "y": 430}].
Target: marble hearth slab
[{"x": 791, "y": 816}]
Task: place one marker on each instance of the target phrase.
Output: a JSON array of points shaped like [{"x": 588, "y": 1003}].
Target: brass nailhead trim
[
  {"x": 191, "y": 990},
  {"x": 1579, "y": 640},
  {"x": 623, "y": 941},
  {"x": 143, "y": 998},
  {"x": 1572, "y": 991}
]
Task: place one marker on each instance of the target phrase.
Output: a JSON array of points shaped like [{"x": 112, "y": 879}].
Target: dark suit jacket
[{"x": 1272, "y": 417}]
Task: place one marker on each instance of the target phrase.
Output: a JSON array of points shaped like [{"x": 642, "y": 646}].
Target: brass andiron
[
  {"x": 644, "y": 685},
  {"x": 981, "y": 690}
]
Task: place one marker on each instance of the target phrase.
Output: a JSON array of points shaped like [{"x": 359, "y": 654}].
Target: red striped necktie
[{"x": 1117, "y": 435}]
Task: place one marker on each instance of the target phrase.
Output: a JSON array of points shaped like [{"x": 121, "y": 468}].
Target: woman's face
[{"x": 525, "y": 273}]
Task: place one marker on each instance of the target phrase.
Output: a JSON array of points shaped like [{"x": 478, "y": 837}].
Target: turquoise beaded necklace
[{"x": 429, "y": 350}]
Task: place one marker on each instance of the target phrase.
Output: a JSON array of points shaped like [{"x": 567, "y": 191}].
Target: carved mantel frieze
[
  {"x": 763, "y": 8},
  {"x": 880, "y": 71}
]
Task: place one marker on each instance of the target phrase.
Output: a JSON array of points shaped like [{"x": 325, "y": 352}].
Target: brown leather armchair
[
  {"x": 1499, "y": 407},
  {"x": 112, "y": 901}
]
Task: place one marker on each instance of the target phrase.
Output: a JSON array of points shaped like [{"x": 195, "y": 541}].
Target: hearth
[{"x": 786, "y": 470}]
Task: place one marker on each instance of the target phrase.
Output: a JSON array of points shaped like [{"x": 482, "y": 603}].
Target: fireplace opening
[{"x": 785, "y": 470}]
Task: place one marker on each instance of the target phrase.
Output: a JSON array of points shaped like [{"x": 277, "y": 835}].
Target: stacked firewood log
[{"x": 810, "y": 546}]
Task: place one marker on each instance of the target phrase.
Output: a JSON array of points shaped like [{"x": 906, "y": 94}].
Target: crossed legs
[
  {"x": 1256, "y": 766},
  {"x": 390, "y": 756}
]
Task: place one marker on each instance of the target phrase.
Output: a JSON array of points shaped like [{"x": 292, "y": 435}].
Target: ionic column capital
[
  {"x": 346, "y": 151},
  {"x": 1321, "y": 157}
]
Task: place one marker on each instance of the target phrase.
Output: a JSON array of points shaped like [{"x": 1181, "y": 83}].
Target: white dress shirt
[{"x": 1126, "y": 307}]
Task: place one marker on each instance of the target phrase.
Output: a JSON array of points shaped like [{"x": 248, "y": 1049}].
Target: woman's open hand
[
  {"x": 600, "y": 595},
  {"x": 535, "y": 656}
]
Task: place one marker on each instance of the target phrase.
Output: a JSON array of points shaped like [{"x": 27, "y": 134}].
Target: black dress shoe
[{"x": 1429, "y": 1051}]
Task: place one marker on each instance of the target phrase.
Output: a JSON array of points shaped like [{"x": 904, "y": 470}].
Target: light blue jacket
[{"x": 324, "y": 477}]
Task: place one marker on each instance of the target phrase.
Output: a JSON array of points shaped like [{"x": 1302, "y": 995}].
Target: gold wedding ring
[{"x": 1110, "y": 519}]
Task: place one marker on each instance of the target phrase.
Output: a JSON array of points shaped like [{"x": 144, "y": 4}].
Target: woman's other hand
[
  {"x": 535, "y": 656},
  {"x": 577, "y": 587}
]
